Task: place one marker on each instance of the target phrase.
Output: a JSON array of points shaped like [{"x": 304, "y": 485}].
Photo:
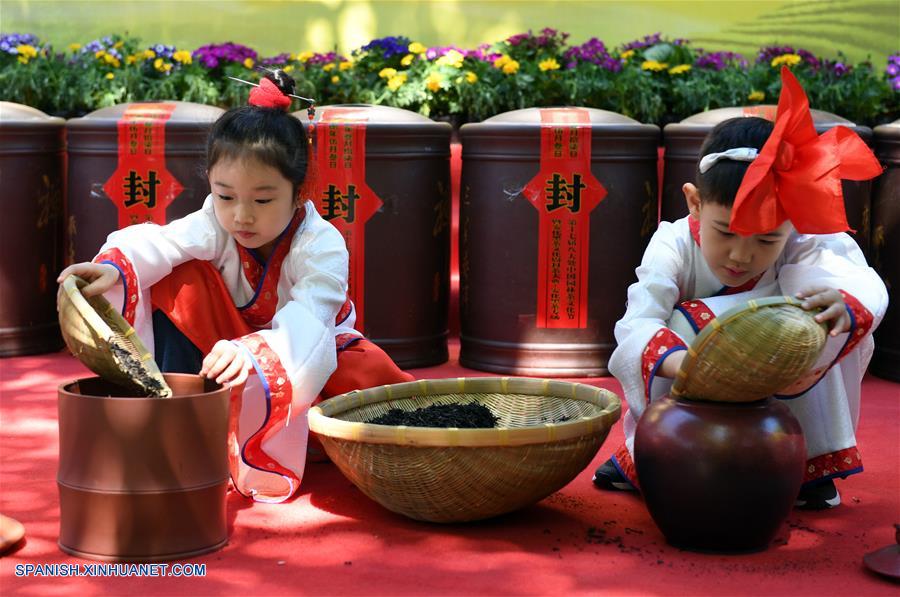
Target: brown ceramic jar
[{"x": 719, "y": 476}]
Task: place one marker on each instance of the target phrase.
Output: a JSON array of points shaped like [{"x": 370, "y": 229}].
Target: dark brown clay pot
[
  {"x": 886, "y": 249},
  {"x": 32, "y": 152},
  {"x": 142, "y": 479},
  {"x": 719, "y": 476}
]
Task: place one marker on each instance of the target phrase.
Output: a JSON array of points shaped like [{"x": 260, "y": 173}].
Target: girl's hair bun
[{"x": 282, "y": 80}]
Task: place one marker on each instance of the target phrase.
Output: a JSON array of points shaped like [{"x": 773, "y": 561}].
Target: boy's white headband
[{"x": 739, "y": 154}]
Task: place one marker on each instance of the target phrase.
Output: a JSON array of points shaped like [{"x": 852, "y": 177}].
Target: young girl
[
  {"x": 766, "y": 218},
  {"x": 256, "y": 281}
]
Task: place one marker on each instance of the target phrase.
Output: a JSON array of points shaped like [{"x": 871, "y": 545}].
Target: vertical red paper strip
[
  {"x": 142, "y": 187},
  {"x": 564, "y": 192},
  {"x": 343, "y": 197}
]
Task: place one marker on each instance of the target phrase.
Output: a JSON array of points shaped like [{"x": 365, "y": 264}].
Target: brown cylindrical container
[
  {"x": 130, "y": 163},
  {"x": 503, "y": 244},
  {"x": 886, "y": 249},
  {"x": 397, "y": 223},
  {"x": 683, "y": 140},
  {"x": 31, "y": 171},
  {"x": 142, "y": 479},
  {"x": 719, "y": 476}
]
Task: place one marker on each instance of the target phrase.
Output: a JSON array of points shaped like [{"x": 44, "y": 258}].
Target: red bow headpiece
[
  {"x": 268, "y": 95},
  {"x": 797, "y": 175}
]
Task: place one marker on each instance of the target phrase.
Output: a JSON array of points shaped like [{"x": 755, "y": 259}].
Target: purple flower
[
  {"x": 593, "y": 51},
  {"x": 213, "y": 55},
  {"x": 10, "y": 41},
  {"x": 719, "y": 60},
  {"x": 388, "y": 46},
  {"x": 896, "y": 83},
  {"x": 649, "y": 40},
  {"x": 330, "y": 57},
  {"x": 840, "y": 69},
  {"x": 768, "y": 53},
  {"x": 280, "y": 59}
]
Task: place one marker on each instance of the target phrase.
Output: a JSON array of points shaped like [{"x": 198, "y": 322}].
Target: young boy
[{"x": 766, "y": 218}]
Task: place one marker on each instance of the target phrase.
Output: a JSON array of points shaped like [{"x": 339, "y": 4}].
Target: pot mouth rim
[{"x": 66, "y": 389}]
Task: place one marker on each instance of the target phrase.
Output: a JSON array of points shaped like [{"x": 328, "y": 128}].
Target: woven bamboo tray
[
  {"x": 751, "y": 352},
  {"x": 107, "y": 344},
  {"x": 459, "y": 475}
]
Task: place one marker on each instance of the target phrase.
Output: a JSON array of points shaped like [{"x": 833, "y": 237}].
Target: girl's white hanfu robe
[
  {"x": 297, "y": 303},
  {"x": 673, "y": 271}
]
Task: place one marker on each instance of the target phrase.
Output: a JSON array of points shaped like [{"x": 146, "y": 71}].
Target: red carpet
[{"x": 333, "y": 540}]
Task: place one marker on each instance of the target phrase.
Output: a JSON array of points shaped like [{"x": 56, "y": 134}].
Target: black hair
[
  {"x": 269, "y": 135},
  {"x": 721, "y": 182}
]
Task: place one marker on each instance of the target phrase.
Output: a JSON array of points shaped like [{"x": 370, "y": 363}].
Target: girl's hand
[
  {"x": 829, "y": 299},
  {"x": 227, "y": 364},
  {"x": 102, "y": 276}
]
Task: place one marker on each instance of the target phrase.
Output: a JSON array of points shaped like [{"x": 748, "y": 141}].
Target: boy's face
[{"x": 734, "y": 259}]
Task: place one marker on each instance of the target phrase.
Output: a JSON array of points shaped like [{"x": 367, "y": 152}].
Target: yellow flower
[
  {"x": 788, "y": 59},
  {"x": 130, "y": 59},
  {"x": 182, "y": 56},
  {"x": 110, "y": 76},
  {"x": 335, "y": 79},
  {"x": 74, "y": 47},
  {"x": 500, "y": 62},
  {"x": 451, "y": 58},
  {"x": 654, "y": 65},
  {"x": 161, "y": 65},
  {"x": 548, "y": 64},
  {"x": 756, "y": 96},
  {"x": 304, "y": 56},
  {"x": 417, "y": 48},
  {"x": 26, "y": 52},
  {"x": 471, "y": 77},
  {"x": 387, "y": 73},
  {"x": 407, "y": 60},
  {"x": 292, "y": 56},
  {"x": 510, "y": 67},
  {"x": 99, "y": 54},
  {"x": 328, "y": 67},
  {"x": 288, "y": 68},
  {"x": 148, "y": 54},
  {"x": 110, "y": 59},
  {"x": 681, "y": 68},
  {"x": 346, "y": 65},
  {"x": 627, "y": 54},
  {"x": 118, "y": 44},
  {"x": 433, "y": 82},
  {"x": 248, "y": 63},
  {"x": 396, "y": 82}
]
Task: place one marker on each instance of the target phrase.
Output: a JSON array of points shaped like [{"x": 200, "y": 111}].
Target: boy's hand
[
  {"x": 101, "y": 277},
  {"x": 829, "y": 299},
  {"x": 672, "y": 364},
  {"x": 227, "y": 364}
]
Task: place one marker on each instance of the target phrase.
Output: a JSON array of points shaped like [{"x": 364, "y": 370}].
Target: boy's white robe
[
  {"x": 298, "y": 342},
  {"x": 674, "y": 270}
]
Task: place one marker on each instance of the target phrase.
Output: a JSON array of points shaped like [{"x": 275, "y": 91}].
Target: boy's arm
[
  {"x": 644, "y": 341},
  {"x": 834, "y": 261}
]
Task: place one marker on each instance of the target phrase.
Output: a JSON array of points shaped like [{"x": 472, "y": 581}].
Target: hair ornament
[
  {"x": 797, "y": 175},
  {"x": 738, "y": 154}
]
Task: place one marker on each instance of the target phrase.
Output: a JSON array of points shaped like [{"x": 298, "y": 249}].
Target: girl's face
[
  {"x": 254, "y": 202},
  {"x": 734, "y": 259}
]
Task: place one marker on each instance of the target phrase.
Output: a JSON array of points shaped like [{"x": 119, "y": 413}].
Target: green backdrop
[{"x": 858, "y": 27}]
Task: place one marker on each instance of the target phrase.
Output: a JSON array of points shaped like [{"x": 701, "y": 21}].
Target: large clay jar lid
[
  {"x": 750, "y": 352},
  {"x": 374, "y": 115},
  {"x": 186, "y": 115},
  {"x": 533, "y": 116},
  {"x": 12, "y": 113},
  {"x": 766, "y": 111}
]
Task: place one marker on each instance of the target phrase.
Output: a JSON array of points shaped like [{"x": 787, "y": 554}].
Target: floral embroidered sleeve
[
  {"x": 117, "y": 259},
  {"x": 661, "y": 345}
]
